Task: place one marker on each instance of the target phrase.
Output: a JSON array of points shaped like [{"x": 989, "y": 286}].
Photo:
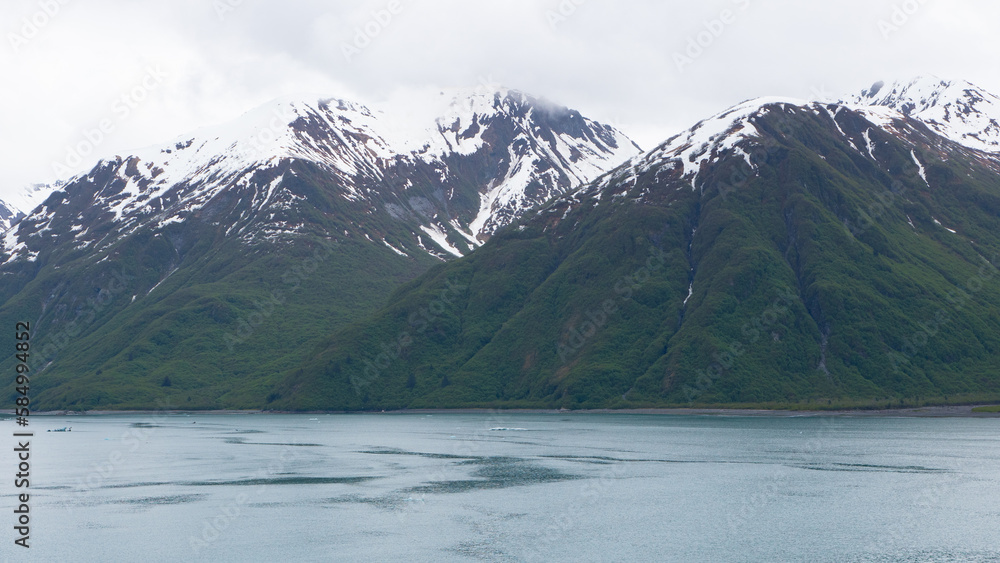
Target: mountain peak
[
  {"x": 21, "y": 202},
  {"x": 465, "y": 165},
  {"x": 8, "y": 215},
  {"x": 706, "y": 140},
  {"x": 956, "y": 109}
]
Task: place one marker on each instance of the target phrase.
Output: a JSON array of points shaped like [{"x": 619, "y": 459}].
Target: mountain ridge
[
  {"x": 781, "y": 252},
  {"x": 294, "y": 221},
  {"x": 850, "y": 243},
  {"x": 956, "y": 109},
  {"x": 217, "y": 156}
]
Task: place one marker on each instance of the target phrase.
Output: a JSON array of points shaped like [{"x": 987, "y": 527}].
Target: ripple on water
[
  {"x": 497, "y": 473},
  {"x": 869, "y": 468},
  {"x": 243, "y": 441},
  {"x": 397, "y": 451},
  {"x": 925, "y": 556},
  {"x": 298, "y": 480},
  {"x": 482, "y": 551},
  {"x": 387, "y": 502},
  {"x": 160, "y": 500}
]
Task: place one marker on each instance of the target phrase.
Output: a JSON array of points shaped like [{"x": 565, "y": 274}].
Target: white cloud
[{"x": 613, "y": 60}]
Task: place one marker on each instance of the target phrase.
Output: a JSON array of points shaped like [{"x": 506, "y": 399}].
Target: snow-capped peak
[
  {"x": 8, "y": 215},
  {"x": 555, "y": 149},
  {"x": 706, "y": 141},
  {"x": 958, "y": 110},
  {"x": 514, "y": 150},
  {"x": 30, "y": 197},
  {"x": 279, "y": 129},
  {"x": 355, "y": 141}
]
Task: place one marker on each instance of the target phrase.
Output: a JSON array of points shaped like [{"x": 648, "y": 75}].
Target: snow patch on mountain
[
  {"x": 335, "y": 133},
  {"x": 8, "y": 215},
  {"x": 957, "y": 110},
  {"x": 394, "y": 249},
  {"x": 16, "y": 205},
  {"x": 704, "y": 143},
  {"x": 920, "y": 168},
  {"x": 441, "y": 239},
  {"x": 555, "y": 150}
]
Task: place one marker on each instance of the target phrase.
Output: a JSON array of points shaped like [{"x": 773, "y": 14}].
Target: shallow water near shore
[{"x": 508, "y": 487}]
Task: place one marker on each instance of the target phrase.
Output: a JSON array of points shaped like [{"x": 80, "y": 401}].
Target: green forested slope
[{"x": 826, "y": 276}]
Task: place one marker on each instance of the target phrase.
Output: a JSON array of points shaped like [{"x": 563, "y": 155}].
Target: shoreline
[{"x": 960, "y": 411}]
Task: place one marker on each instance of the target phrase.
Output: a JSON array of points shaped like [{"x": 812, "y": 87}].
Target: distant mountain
[
  {"x": 205, "y": 264},
  {"x": 488, "y": 159},
  {"x": 779, "y": 253},
  {"x": 957, "y": 110},
  {"x": 8, "y": 215},
  {"x": 18, "y": 203},
  {"x": 21, "y": 202}
]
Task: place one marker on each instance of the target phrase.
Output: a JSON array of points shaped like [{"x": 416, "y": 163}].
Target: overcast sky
[{"x": 153, "y": 70}]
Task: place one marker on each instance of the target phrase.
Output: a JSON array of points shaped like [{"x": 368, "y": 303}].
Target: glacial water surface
[{"x": 507, "y": 487}]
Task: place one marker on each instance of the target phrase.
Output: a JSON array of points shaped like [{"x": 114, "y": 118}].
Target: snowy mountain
[
  {"x": 958, "y": 110},
  {"x": 31, "y": 196},
  {"x": 488, "y": 159},
  {"x": 274, "y": 261},
  {"x": 779, "y": 253},
  {"x": 272, "y": 231},
  {"x": 21, "y": 202},
  {"x": 688, "y": 154},
  {"x": 8, "y": 215},
  {"x": 553, "y": 148}
]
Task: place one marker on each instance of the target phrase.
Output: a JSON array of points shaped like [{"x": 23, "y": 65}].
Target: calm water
[{"x": 501, "y": 487}]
